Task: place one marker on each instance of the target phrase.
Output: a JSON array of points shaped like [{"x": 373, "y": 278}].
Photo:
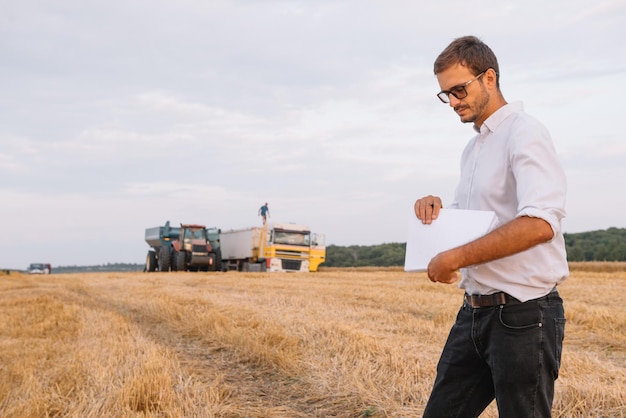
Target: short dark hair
[{"x": 470, "y": 52}]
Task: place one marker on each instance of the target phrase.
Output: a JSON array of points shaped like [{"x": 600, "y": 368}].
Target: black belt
[
  {"x": 497, "y": 299},
  {"x": 484, "y": 301}
]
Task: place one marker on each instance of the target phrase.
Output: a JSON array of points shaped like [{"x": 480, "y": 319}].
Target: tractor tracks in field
[{"x": 253, "y": 389}]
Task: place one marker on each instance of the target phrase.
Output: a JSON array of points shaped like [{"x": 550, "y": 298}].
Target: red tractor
[{"x": 190, "y": 247}]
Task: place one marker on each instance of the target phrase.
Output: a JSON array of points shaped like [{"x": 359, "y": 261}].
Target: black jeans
[{"x": 510, "y": 352}]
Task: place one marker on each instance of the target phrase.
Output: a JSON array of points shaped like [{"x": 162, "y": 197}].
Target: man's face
[{"x": 473, "y": 107}]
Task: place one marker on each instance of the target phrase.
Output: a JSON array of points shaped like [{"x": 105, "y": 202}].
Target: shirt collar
[{"x": 499, "y": 116}]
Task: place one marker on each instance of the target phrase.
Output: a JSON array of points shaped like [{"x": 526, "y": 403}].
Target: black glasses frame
[{"x": 457, "y": 91}]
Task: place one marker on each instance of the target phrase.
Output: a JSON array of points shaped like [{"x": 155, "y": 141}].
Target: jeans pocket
[{"x": 521, "y": 316}]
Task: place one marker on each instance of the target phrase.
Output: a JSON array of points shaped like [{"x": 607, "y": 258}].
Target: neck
[{"x": 495, "y": 104}]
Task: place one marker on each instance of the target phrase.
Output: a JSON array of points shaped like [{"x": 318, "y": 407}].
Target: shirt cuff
[{"x": 552, "y": 219}]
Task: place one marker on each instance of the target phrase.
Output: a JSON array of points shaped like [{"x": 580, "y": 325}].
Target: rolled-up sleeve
[{"x": 541, "y": 182}]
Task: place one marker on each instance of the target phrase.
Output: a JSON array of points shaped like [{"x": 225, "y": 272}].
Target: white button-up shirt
[{"x": 511, "y": 167}]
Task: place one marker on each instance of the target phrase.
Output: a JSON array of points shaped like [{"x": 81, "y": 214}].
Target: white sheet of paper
[{"x": 452, "y": 228}]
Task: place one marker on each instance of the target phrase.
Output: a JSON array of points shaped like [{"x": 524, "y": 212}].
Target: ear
[{"x": 491, "y": 78}]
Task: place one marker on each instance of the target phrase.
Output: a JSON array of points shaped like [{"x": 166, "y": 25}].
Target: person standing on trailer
[{"x": 264, "y": 212}]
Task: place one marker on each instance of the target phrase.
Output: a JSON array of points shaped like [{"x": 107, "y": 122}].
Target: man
[
  {"x": 264, "y": 212},
  {"x": 507, "y": 338}
]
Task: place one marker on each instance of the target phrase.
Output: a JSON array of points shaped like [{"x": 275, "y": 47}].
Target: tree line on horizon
[{"x": 604, "y": 245}]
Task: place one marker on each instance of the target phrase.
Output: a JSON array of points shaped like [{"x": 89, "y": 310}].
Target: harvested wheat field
[{"x": 338, "y": 343}]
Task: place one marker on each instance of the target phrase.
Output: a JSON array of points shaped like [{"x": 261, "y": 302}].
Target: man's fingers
[{"x": 427, "y": 208}]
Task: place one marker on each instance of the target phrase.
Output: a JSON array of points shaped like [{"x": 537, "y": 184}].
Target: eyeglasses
[{"x": 457, "y": 91}]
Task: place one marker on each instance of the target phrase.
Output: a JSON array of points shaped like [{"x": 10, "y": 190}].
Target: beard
[{"x": 472, "y": 111}]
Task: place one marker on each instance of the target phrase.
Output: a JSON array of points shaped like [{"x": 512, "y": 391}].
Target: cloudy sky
[{"x": 116, "y": 115}]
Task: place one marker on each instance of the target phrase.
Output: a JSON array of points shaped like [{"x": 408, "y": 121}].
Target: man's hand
[
  {"x": 442, "y": 268},
  {"x": 427, "y": 208},
  {"x": 439, "y": 269}
]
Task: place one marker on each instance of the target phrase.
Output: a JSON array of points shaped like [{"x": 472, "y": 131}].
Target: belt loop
[{"x": 501, "y": 298}]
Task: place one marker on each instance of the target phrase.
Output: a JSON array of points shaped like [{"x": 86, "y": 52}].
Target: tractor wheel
[
  {"x": 165, "y": 259},
  {"x": 181, "y": 261},
  {"x": 151, "y": 262}
]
